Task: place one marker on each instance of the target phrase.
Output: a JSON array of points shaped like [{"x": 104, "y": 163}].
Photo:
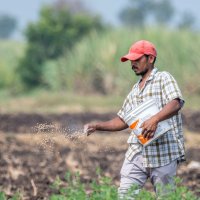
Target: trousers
[{"x": 134, "y": 173}]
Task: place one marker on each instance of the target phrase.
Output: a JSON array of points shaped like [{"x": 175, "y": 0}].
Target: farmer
[{"x": 158, "y": 160}]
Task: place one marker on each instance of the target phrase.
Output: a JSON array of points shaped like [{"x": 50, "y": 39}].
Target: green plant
[
  {"x": 73, "y": 190},
  {"x": 8, "y": 25},
  {"x": 93, "y": 65},
  {"x": 16, "y": 196},
  {"x": 176, "y": 192},
  {"x": 58, "y": 29},
  {"x": 2, "y": 196},
  {"x": 103, "y": 189}
]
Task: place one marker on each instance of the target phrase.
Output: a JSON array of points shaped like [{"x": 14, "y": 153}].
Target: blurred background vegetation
[{"x": 71, "y": 56}]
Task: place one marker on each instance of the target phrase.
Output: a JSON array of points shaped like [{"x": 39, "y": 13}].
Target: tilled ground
[
  {"x": 30, "y": 161},
  {"x": 22, "y": 122}
]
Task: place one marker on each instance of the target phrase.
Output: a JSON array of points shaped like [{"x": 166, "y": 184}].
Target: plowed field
[{"x": 34, "y": 149}]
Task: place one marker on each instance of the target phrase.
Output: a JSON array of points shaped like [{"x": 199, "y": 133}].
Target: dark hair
[{"x": 147, "y": 56}]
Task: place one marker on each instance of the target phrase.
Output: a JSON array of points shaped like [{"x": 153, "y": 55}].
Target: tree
[
  {"x": 75, "y": 6},
  {"x": 132, "y": 17},
  {"x": 138, "y": 12},
  {"x": 58, "y": 29},
  {"x": 163, "y": 11},
  {"x": 187, "y": 21},
  {"x": 8, "y": 25}
]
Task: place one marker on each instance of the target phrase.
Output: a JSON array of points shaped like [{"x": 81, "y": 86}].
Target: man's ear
[{"x": 151, "y": 59}]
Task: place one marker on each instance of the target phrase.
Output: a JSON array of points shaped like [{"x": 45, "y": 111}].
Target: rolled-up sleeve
[{"x": 170, "y": 89}]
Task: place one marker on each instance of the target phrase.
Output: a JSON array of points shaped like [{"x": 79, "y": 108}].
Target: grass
[
  {"x": 98, "y": 57},
  {"x": 102, "y": 188},
  {"x": 47, "y": 102},
  {"x": 91, "y": 76},
  {"x": 10, "y": 52},
  {"x": 71, "y": 188}
]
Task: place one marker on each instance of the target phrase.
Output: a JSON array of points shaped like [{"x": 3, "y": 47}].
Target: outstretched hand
[{"x": 89, "y": 129}]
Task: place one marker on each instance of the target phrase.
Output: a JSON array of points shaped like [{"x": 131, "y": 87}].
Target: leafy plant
[
  {"x": 58, "y": 29},
  {"x": 8, "y": 25},
  {"x": 102, "y": 188},
  {"x": 2, "y": 196},
  {"x": 16, "y": 196}
]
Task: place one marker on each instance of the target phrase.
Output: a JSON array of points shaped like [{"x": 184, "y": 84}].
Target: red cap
[{"x": 138, "y": 49}]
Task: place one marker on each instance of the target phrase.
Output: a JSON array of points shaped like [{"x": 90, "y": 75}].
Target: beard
[{"x": 140, "y": 73}]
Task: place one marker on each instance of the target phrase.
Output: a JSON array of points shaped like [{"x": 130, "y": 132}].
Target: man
[{"x": 158, "y": 160}]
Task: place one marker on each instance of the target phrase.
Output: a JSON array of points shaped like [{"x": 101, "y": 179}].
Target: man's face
[{"x": 141, "y": 65}]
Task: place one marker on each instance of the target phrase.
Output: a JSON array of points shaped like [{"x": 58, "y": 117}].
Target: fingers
[
  {"x": 90, "y": 131},
  {"x": 148, "y": 134},
  {"x": 148, "y": 130},
  {"x": 89, "y": 128},
  {"x": 85, "y": 129}
]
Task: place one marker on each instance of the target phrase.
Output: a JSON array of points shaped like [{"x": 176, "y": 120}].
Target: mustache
[{"x": 134, "y": 67}]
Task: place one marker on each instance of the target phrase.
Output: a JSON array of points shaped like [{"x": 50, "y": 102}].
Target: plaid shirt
[{"x": 163, "y": 88}]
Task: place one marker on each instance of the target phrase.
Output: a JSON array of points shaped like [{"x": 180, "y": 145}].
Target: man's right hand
[
  {"x": 116, "y": 124},
  {"x": 90, "y": 128}
]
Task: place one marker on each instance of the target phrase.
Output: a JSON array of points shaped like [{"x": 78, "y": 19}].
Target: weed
[{"x": 103, "y": 189}]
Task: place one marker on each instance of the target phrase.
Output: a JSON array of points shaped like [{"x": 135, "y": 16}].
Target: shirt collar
[
  {"x": 153, "y": 72},
  {"x": 151, "y": 76}
]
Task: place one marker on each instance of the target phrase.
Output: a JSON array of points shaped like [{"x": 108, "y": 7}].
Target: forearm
[
  {"x": 168, "y": 110},
  {"x": 115, "y": 124}
]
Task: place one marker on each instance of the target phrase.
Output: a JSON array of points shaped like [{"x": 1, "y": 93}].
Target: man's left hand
[{"x": 149, "y": 127}]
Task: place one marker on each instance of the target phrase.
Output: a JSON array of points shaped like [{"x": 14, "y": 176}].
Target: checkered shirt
[{"x": 162, "y": 87}]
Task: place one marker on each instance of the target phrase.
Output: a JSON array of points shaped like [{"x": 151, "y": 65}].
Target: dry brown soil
[{"x": 34, "y": 149}]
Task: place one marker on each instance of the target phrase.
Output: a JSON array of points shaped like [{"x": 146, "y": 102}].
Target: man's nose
[{"x": 133, "y": 62}]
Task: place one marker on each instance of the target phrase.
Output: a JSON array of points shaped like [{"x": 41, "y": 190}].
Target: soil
[
  {"x": 35, "y": 149},
  {"x": 22, "y": 122}
]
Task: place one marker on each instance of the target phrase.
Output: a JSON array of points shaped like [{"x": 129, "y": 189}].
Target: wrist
[
  {"x": 156, "y": 119},
  {"x": 97, "y": 127}
]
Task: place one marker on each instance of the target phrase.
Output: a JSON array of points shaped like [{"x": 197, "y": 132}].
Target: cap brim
[{"x": 131, "y": 57}]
